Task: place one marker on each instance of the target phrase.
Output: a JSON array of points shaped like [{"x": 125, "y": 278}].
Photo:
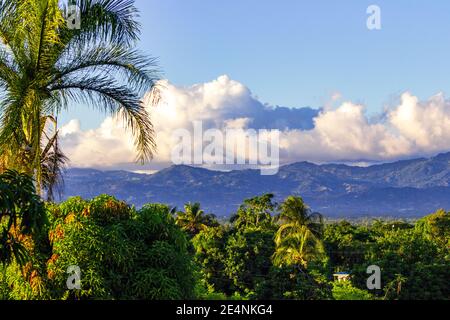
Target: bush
[
  {"x": 22, "y": 214},
  {"x": 344, "y": 290},
  {"x": 22, "y": 230},
  {"x": 290, "y": 283},
  {"x": 121, "y": 253}
]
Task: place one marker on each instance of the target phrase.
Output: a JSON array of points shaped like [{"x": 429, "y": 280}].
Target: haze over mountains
[{"x": 408, "y": 188}]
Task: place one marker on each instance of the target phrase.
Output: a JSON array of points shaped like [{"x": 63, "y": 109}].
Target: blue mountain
[{"x": 408, "y": 188}]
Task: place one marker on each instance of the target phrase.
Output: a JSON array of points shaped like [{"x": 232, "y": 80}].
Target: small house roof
[{"x": 342, "y": 273}]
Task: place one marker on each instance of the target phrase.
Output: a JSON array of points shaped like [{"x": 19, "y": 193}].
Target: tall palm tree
[
  {"x": 298, "y": 239},
  {"x": 297, "y": 248},
  {"x": 294, "y": 214},
  {"x": 193, "y": 219},
  {"x": 45, "y": 65}
]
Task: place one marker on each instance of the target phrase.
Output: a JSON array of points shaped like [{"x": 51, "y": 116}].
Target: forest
[{"x": 265, "y": 251}]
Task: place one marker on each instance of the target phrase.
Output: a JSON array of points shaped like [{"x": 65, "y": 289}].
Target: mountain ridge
[{"x": 405, "y": 188}]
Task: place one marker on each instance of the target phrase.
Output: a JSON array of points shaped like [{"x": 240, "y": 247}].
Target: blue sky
[
  {"x": 294, "y": 54},
  {"x": 298, "y": 53}
]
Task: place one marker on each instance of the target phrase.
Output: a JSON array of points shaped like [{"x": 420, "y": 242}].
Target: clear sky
[{"x": 298, "y": 53}]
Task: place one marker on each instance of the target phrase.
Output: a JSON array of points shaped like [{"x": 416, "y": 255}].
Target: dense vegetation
[
  {"x": 122, "y": 253},
  {"x": 265, "y": 251}
]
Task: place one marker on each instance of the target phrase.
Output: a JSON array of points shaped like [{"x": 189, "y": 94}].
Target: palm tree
[
  {"x": 193, "y": 219},
  {"x": 45, "y": 65},
  {"x": 298, "y": 239},
  {"x": 294, "y": 214},
  {"x": 297, "y": 249}
]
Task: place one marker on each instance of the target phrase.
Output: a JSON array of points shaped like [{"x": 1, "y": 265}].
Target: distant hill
[{"x": 405, "y": 188}]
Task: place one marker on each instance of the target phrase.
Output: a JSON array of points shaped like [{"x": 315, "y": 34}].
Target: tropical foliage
[
  {"x": 265, "y": 251},
  {"x": 298, "y": 239},
  {"x": 46, "y": 66},
  {"x": 122, "y": 254},
  {"x": 22, "y": 214},
  {"x": 193, "y": 219}
]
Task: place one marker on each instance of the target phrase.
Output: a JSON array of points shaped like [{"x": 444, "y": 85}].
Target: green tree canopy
[{"x": 255, "y": 212}]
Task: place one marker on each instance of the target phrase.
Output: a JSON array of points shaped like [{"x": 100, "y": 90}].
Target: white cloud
[
  {"x": 107, "y": 146},
  {"x": 409, "y": 129}
]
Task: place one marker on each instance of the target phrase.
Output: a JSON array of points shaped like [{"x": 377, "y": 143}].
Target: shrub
[
  {"x": 122, "y": 253},
  {"x": 344, "y": 290}
]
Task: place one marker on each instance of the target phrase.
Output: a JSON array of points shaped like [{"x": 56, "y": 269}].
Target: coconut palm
[
  {"x": 298, "y": 237},
  {"x": 294, "y": 214},
  {"x": 193, "y": 219},
  {"x": 45, "y": 65},
  {"x": 297, "y": 248}
]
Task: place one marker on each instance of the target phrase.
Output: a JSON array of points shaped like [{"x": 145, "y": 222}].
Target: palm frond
[
  {"x": 139, "y": 72},
  {"x": 111, "y": 21},
  {"x": 106, "y": 94}
]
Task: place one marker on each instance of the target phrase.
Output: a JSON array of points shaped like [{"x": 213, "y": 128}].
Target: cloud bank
[{"x": 344, "y": 133}]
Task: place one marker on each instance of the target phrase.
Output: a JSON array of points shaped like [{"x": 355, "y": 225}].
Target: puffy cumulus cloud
[
  {"x": 222, "y": 103},
  {"x": 425, "y": 125},
  {"x": 222, "y": 100},
  {"x": 343, "y": 133},
  {"x": 409, "y": 129},
  {"x": 107, "y": 146}
]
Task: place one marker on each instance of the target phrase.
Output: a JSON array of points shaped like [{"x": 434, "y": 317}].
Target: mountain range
[{"x": 408, "y": 188}]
